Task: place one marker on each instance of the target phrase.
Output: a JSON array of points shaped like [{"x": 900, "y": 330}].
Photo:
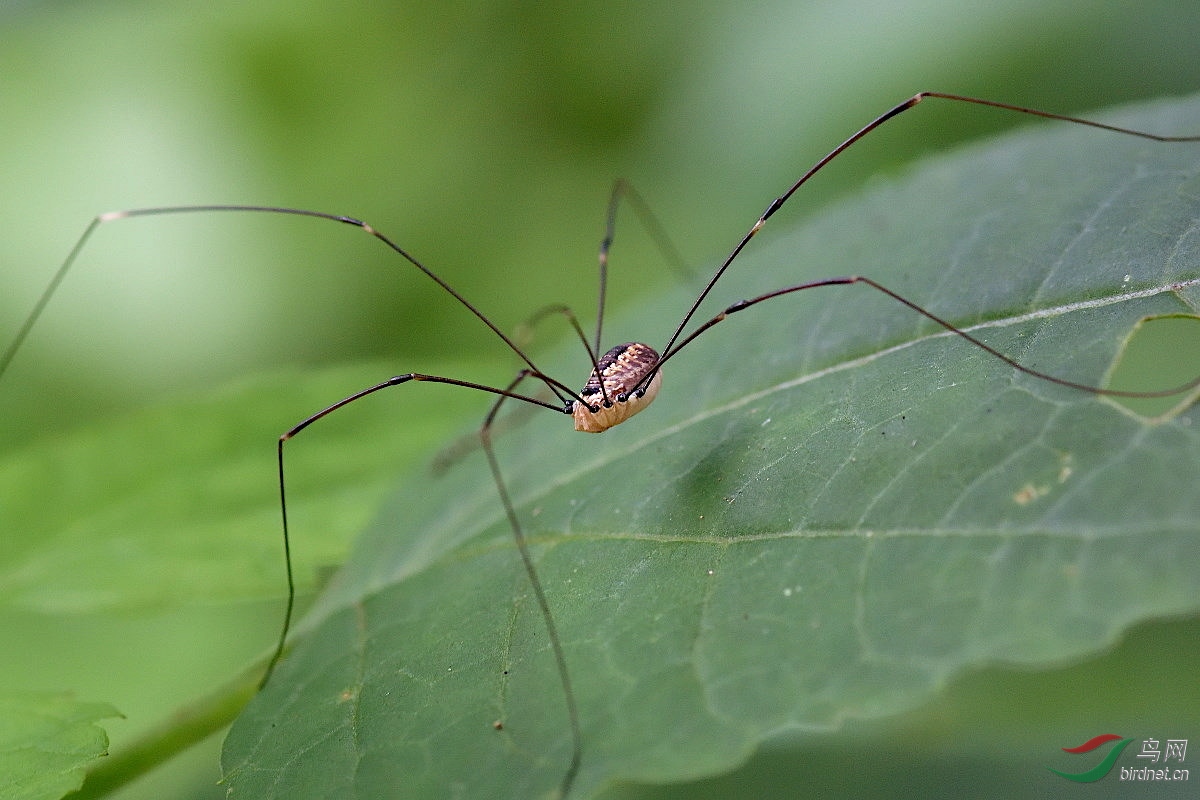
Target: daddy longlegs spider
[{"x": 623, "y": 379}]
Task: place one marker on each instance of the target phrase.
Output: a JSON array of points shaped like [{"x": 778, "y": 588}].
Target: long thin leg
[
  {"x": 573, "y": 321},
  {"x": 778, "y": 202},
  {"x": 503, "y": 394},
  {"x": 485, "y": 436},
  {"x": 393, "y": 381},
  {"x": 623, "y": 190},
  {"x": 564, "y": 393},
  {"x": 742, "y": 305}
]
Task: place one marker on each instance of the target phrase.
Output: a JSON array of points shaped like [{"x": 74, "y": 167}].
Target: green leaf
[
  {"x": 834, "y": 508},
  {"x": 189, "y": 506},
  {"x": 46, "y": 740},
  {"x": 137, "y": 551}
]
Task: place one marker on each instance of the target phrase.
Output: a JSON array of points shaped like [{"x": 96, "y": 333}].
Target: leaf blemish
[{"x": 1028, "y": 493}]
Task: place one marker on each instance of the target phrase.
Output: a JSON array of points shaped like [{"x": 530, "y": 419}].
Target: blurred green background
[{"x": 482, "y": 137}]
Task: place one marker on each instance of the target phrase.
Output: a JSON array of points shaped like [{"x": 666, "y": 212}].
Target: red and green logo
[{"x": 1104, "y": 767}]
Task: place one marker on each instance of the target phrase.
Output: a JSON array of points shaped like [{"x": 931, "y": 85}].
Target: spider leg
[
  {"x": 485, "y": 437},
  {"x": 742, "y": 305},
  {"x": 563, "y": 392},
  {"x": 503, "y": 394},
  {"x": 821, "y": 163},
  {"x": 623, "y": 191}
]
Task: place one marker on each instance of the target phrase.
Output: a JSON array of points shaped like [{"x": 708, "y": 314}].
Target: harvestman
[{"x": 624, "y": 380}]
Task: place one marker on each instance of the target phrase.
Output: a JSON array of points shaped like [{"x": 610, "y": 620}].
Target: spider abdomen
[{"x": 610, "y": 388}]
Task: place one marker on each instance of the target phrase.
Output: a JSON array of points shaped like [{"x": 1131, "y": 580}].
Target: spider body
[{"x": 611, "y": 395}]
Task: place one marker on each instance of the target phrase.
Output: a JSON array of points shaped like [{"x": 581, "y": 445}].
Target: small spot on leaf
[{"x": 1028, "y": 493}]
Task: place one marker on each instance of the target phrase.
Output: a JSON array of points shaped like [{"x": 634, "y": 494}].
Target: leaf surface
[
  {"x": 187, "y": 509},
  {"x": 834, "y": 507},
  {"x": 46, "y": 740}
]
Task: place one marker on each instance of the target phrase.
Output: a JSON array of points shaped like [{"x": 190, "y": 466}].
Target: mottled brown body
[{"x": 610, "y": 388}]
